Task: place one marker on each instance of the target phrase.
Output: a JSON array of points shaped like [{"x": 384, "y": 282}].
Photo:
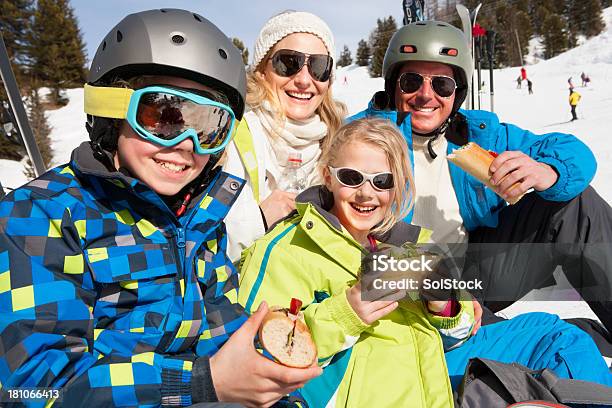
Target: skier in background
[
  {"x": 529, "y": 87},
  {"x": 585, "y": 79},
  {"x": 574, "y": 97},
  {"x": 519, "y": 81},
  {"x": 570, "y": 83},
  {"x": 523, "y": 74}
]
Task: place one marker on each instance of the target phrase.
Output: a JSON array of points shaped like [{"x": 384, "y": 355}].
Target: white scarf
[{"x": 292, "y": 136}]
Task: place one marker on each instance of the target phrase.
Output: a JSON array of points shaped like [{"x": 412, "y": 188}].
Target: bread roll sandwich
[
  {"x": 476, "y": 161},
  {"x": 286, "y": 337}
]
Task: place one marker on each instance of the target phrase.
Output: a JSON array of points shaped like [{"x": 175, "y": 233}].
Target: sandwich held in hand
[
  {"x": 476, "y": 161},
  {"x": 286, "y": 337}
]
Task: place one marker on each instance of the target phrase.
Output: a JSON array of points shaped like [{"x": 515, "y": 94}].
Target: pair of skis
[
  {"x": 414, "y": 10},
  {"x": 17, "y": 113}
]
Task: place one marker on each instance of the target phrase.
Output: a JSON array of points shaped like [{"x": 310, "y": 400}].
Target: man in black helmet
[
  {"x": 115, "y": 287},
  {"x": 560, "y": 220}
]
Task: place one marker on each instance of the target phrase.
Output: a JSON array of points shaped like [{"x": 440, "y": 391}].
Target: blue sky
[{"x": 349, "y": 20}]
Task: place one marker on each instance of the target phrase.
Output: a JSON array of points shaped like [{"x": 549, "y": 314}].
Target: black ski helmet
[{"x": 430, "y": 41}]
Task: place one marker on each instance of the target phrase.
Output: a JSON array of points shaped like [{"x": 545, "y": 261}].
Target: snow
[{"x": 545, "y": 111}]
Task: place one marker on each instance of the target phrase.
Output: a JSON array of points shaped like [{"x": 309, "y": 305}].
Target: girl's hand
[{"x": 368, "y": 311}]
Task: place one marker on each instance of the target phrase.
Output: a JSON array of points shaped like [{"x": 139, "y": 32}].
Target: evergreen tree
[
  {"x": 379, "y": 40},
  {"x": 592, "y": 22},
  {"x": 541, "y": 13},
  {"x": 513, "y": 31},
  {"x": 14, "y": 22},
  {"x": 244, "y": 51},
  {"x": 555, "y": 35},
  {"x": 363, "y": 54},
  {"x": 57, "y": 49},
  {"x": 41, "y": 130},
  {"x": 345, "y": 58}
]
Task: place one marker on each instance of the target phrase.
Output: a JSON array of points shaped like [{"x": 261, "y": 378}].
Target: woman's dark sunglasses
[
  {"x": 354, "y": 178},
  {"x": 289, "y": 62},
  {"x": 410, "y": 82}
]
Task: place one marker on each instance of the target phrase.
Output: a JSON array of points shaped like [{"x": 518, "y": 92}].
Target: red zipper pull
[
  {"x": 184, "y": 204},
  {"x": 373, "y": 244}
]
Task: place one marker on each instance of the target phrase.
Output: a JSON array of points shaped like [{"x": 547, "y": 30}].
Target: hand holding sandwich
[
  {"x": 522, "y": 169},
  {"x": 510, "y": 174}
]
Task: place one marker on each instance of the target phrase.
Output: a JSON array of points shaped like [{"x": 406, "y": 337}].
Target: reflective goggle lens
[
  {"x": 289, "y": 62},
  {"x": 167, "y": 116},
  {"x": 355, "y": 178},
  {"x": 410, "y": 82}
]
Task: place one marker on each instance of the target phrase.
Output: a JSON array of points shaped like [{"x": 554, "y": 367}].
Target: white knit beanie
[{"x": 290, "y": 22}]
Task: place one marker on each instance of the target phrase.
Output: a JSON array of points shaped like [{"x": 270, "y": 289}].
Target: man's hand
[
  {"x": 370, "y": 311},
  {"x": 512, "y": 167},
  {"x": 241, "y": 374},
  {"x": 277, "y": 206}
]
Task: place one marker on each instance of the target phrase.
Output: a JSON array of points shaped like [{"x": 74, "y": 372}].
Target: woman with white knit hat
[{"x": 291, "y": 113}]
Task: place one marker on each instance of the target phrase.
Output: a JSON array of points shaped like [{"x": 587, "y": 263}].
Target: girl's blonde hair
[
  {"x": 387, "y": 137},
  {"x": 331, "y": 112}
]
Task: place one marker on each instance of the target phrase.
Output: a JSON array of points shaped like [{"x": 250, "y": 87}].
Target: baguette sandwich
[
  {"x": 287, "y": 338},
  {"x": 476, "y": 161}
]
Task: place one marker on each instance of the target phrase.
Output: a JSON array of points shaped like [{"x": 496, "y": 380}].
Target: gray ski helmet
[
  {"x": 172, "y": 42},
  {"x": 431, "y": 41}
]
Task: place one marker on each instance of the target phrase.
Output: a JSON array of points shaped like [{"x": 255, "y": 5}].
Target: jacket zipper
[{"x": 180, "y": 245}]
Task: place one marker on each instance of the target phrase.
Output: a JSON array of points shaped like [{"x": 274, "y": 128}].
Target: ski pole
[{"x": 12, "y": 90}]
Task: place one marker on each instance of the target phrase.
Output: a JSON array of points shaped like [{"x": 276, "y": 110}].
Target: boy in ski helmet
[
  {"x": 116, "y": 288},
  {"x": 427, "y": 69}
]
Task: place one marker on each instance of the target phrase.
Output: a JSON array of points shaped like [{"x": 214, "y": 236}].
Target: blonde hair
[
  {"x": 387, "y": 137},
  {"x": 331, "y": 112}
]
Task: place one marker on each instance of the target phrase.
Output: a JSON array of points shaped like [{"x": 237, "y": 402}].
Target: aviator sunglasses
[
  {"x": 289, "y": 62},
  {"x": 354, "y": 178},
  {"x": 442, "y": 85}
]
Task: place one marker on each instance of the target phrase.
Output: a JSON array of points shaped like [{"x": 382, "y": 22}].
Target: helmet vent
[
  {"x": 119, "y": 36},
  {"x": 451, "y": 52},
  {"x": 178, "y": 39},
  {"x": 222, "y": 53},
  {"x": 421, "y": 23},
  {"x": 163, "y": 11},
  {"x": 408, "y": 49},
  {"x": 103, "y": 45},
  {"x": 197, "y": 18}
]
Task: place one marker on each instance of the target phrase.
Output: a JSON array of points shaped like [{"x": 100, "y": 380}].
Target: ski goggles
[
  {"x": 165, "y": 115},
  {"x": 289, "y": 62},
  {"x": 442, "y": 85},
  {"x": 354, "y": 178}
]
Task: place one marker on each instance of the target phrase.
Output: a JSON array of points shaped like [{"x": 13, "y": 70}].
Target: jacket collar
[{"x": 222, "y": 187}]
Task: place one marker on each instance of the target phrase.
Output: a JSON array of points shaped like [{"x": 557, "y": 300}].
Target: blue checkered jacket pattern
[{"x": 105, "y": 293}]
